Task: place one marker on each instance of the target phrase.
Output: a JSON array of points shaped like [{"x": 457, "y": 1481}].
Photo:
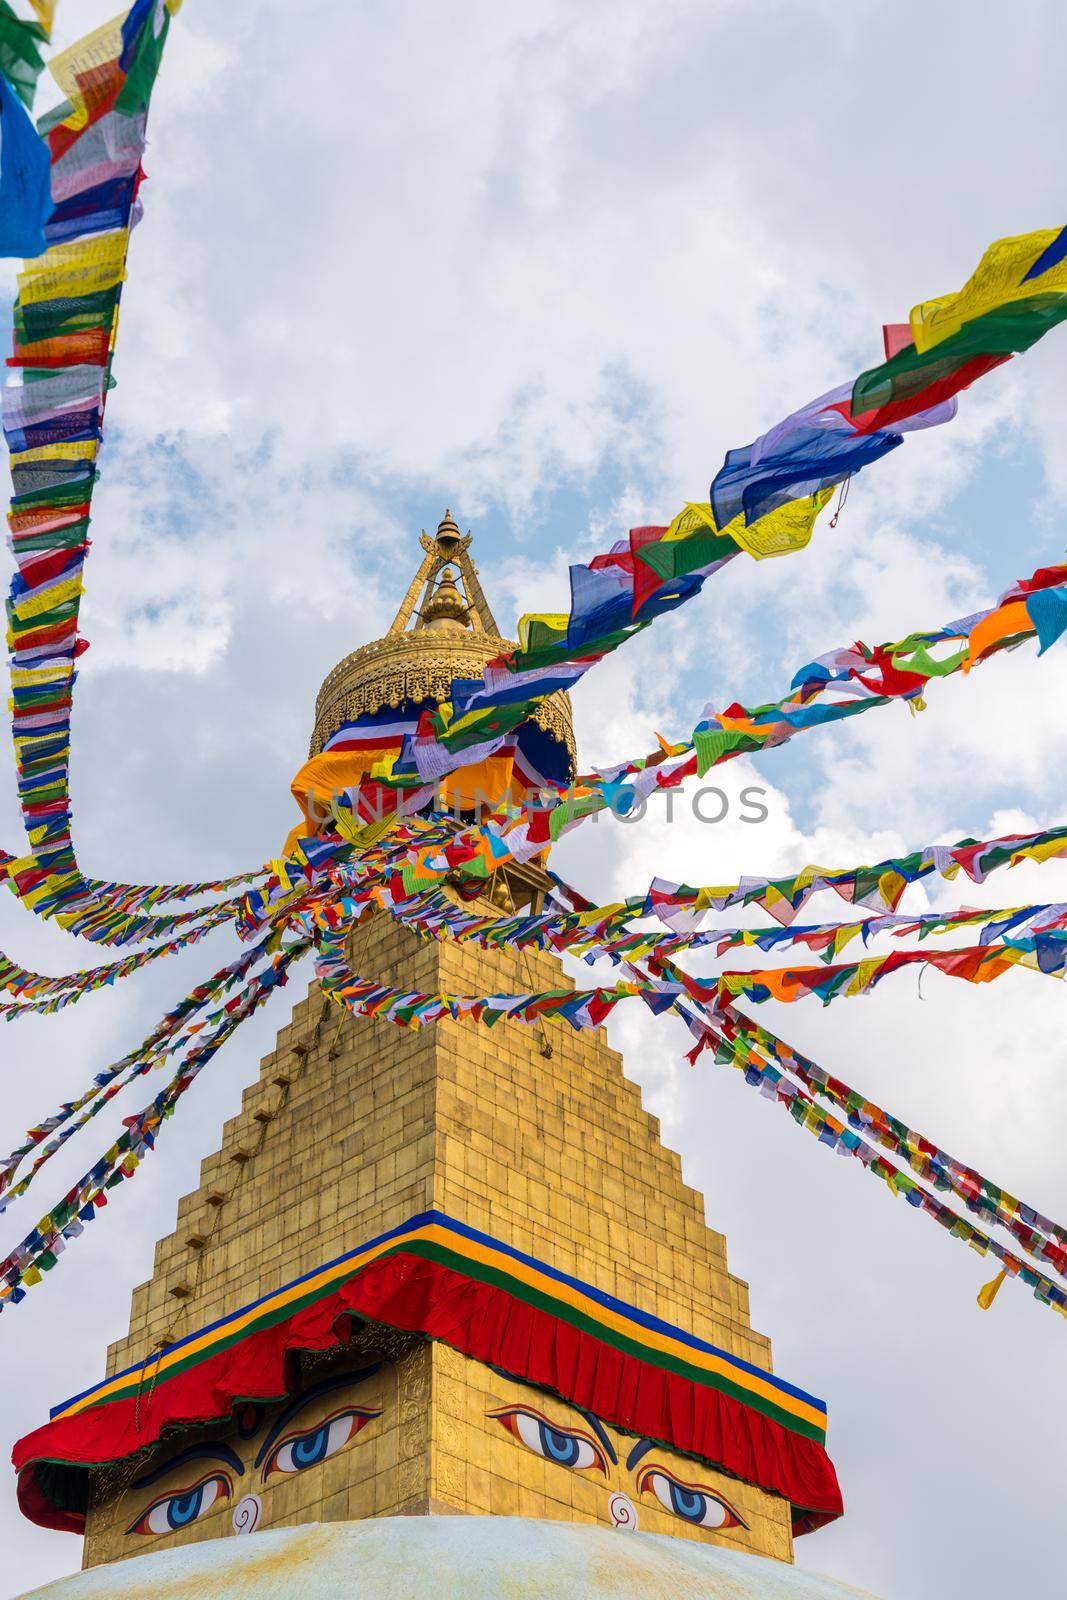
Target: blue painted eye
[
  {"x": 311, "y": 1448},
  {"x": 688, "y": 1503},
  {"x": 185, "y": 1508},
  {"x": 699, "y": 1506},
  {"x": 566, "y": 1447},
  {"x": 176, "y": 1511},
  {"x": 557, "y": 1446},
  {"x": 303, "y": 1450}
]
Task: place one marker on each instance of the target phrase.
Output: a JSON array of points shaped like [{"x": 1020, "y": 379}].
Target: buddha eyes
[
  {"x": 298, "y": 1451},
  {"x": 571, "y": 1447},
  {"x": 174, "y": 1511},
  {"x": 699, "y": 1506},
  {"x": 566, "y": 1446},
  {"x": 293, "y": 1453}
]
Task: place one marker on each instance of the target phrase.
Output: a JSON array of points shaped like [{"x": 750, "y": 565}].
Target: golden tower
[{"x": 530, "y": 1134}]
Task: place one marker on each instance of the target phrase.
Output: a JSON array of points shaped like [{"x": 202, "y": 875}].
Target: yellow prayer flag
[
  {"x": 780, "y": 532},
  {"x": 697, "y": 514},
  {"x": 891, "y": 886},
  {"x": 989, "y": 1291},
  {"x": 1030, "y": 959},
  {"x": 69, "y": 270},
  {"x": 73, "y": 450},
  {"x": 845, "y": 935},
  {"x": 557, "y": 621},
  {"x": 81, "y": 63},
  {"x": 383, "y": 768},
  {"x": 20, "y": 864},
  {"x": 35, "y": 604},
  {"x": 865, "y": 971},
  {"x": 362, "y": 833},
  {"x": 998, "y": 280},
  {"x": 45, "y": 12},
  {"x": 21, "y": 677},
  {"x": 1040, "y": 852}
]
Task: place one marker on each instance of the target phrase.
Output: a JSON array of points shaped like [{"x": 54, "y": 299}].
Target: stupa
[{"x": 442, "y": 1314}]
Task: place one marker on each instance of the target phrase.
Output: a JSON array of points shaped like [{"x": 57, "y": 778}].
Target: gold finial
[
  {"x": 448, "y": 534},
  {"x": 447, "y": 609}
]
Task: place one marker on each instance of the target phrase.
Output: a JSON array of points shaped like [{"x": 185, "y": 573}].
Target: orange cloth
[
  {"x": 1002, "y": 623},
  {"x": 330, "y": 774}
]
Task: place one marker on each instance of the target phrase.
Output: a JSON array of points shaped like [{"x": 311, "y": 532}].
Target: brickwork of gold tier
[
  {"x": 533, "y": 1136},
  {"x": 418, "y": 666}
]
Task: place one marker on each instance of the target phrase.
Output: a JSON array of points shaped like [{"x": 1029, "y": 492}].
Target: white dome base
[{"x": 448, "y": 1558}]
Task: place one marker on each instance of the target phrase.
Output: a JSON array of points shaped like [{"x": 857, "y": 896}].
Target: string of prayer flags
[
  {"x": 1046, "y": 1240},
  {"x": 681, "y": 907},
  {"x": 765, "y": 499},
  {"x": 606, "y": 931},
  {"x": 38, "y": 1252},
  {"x": 38, "y": 994},
  {"x": 65, "y": 319},
  {"x": 115, "y": 913},
  {"x": 102, "y": 918},
  {"x": 1039, "y": 1235},
  {"x": 1045, "y": 953},
  {"x": 775, "y": 1085},
  {"x": 842, "y": 683},
  {"x": 1041, "y": 952},
  {"x": 581, "y": 1008},
  {"x": 809, "y": 452},
  {"x": 749, "y": 1056},
  {"x": 173, "y": 1033},
  {"x": 1017, "y": 294},
  {"x": 765, "y": 1063}
]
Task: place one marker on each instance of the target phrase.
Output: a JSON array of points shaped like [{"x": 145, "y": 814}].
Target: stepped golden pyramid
[{"x": 396, "y": 1462}]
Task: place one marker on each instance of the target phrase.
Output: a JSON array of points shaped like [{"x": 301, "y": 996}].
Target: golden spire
[
  {"x": 441, "y": 631},
  {"x": 448, "y": 547}
]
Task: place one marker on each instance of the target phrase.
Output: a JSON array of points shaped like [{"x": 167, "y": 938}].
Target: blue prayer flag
[{"x": 25, "y": 179}]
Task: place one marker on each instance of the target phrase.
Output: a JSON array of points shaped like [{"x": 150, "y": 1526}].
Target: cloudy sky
[{"x": 544, "y": 264}]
